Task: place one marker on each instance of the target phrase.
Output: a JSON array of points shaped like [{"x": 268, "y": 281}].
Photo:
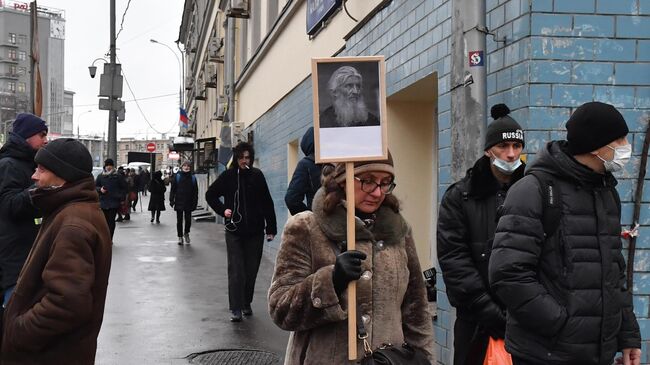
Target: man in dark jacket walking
[
  {"x": 306, "y": 177},
  {"x": 18, "y": 217},
  {"x": 466, "y": 225},
  {"x": 57, "y": 310},
  {"x": 564, "y": 286},
  {"x": 249, "y": 212},
  {"x": 184, "y": 197},
  {"x": 111, "y": 187}
]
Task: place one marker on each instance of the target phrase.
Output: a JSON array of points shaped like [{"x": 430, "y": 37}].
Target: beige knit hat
[{"x": 365, "y": 166}]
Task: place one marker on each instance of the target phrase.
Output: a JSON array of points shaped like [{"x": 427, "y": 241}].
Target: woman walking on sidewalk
[
  {"x": 184, "y": 197},
  {"x": 157, "y": 200}
]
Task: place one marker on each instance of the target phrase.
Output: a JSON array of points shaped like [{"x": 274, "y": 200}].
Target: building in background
[
  {"x": 15, "y": 62},
  {"x": 126, "y": 145},
  {"x": 97, "y": 147},
  {"x": 67, "y": 126}
]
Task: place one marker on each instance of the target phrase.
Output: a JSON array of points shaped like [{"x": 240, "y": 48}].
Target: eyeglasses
[{"x": 369, "y": 186}]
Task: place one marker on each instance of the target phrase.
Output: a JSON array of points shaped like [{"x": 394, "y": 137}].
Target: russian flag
[{"x": 184, "y": 119}]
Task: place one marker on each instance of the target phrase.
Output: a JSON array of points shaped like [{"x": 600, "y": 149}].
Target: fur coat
[{"x": 390, "y": 295}]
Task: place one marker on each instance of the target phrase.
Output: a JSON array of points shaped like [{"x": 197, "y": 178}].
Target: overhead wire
[
  {"x": 122, "y": 23},
  {"x": 135, "y": 99},
  {"x": 132, "y": 100}
]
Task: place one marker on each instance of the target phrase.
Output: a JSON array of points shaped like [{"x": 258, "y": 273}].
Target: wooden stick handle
[{"x": 351, "y": 244}]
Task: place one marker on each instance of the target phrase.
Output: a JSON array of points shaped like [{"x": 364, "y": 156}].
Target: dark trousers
[
  {"x": 470, "y": 344},
  {"x": 155, "y": 213},
  {"x": 244, "y": 255},
  {"x": 109, "y": 214},
  {"x": 180, "y": 214}
]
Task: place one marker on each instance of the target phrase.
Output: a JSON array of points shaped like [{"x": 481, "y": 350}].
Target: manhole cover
[{"x": 235, "y": 357}]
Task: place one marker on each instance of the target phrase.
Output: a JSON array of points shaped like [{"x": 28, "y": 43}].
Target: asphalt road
[{"x": 167, "y": 301}]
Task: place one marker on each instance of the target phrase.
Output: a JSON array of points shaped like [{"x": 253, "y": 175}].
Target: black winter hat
[
  {"x": 504, "y": 128},
  {"x": 27, "y": 125},
  {"x": 67, "y": 158},
  {"x": 594, "y": 125},
  {"x": 109, "y": 162}
]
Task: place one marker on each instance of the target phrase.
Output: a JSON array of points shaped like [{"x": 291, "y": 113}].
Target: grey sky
[{"x": 150, "y": 69}]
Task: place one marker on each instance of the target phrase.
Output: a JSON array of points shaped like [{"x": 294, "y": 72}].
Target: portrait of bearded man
[{"x": 348, "y": 108}]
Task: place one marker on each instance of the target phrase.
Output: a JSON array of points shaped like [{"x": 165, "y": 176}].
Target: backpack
[
  {"x": 178, "y": 179},
  {"x": 552, "y": 197}
]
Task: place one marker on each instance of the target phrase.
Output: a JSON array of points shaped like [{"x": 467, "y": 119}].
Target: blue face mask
[{"x": 506, "y": 167}]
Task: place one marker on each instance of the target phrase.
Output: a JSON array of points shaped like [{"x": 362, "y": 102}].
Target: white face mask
[
  {"x": 504, "y": 166},
  {"x": 622, "y": 155}
]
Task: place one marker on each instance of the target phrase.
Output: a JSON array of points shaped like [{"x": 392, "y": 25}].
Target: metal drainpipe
[
  {"x": 230, "y": 66},
  {"x": 475, "y": 39}
]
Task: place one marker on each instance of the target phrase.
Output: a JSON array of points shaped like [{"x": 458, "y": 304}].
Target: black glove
[
  {"x": 346, "y": 269},
  {"x": 491, "y": 317}
]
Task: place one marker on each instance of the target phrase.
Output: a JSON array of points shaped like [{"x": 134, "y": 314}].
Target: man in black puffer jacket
[
  {"x": 466, "y": 225},
  {"x": 18, "y": 217},
  {"x": 565, "y": 291},
  {"x": 249, "y": 212}
]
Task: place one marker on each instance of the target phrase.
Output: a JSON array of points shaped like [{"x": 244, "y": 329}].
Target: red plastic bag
[{"x": 496, "y": 353}]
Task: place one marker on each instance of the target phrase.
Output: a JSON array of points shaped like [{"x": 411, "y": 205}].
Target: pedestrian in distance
[
  {"x": 184, "y": 198},
  {"x": 133, "y": 185},
  {"x": 111, "y": 187},
  {"x": 250, "y": 213},
  {"x": 56, "y": 312},
  {"x": 557, "y": 263},
  {"x": 19, "y": 220},
  {"x": 306, "y": 177},
  {"x": 122, "y": 210},
  {"x": 157, "y": 200},
  {"x": 145, "y": 179},
  {"x": 466, "y": 225},
  {"x": 314, "y": 267}
]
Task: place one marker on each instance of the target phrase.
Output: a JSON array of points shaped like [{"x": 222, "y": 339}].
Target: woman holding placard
[{"x": 314, "y": 267}]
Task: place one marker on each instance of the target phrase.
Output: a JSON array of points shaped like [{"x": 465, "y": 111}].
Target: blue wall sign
[{"x": 318, "y": 11}]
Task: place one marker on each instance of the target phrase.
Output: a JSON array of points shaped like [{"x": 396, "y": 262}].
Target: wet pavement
[{"x": 167, "y": 301}]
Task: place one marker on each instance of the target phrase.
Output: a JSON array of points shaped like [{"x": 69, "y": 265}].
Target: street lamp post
[
  {"x": 180, "y": 72},
  {"x": 79, "y": 120}
]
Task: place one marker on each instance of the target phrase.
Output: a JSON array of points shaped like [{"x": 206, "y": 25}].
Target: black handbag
[
  {"x": 395, "y": 355},
  {"x": 388, "y": 354}
]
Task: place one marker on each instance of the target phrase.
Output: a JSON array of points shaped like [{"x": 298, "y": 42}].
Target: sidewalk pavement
[{"x": 166, "y": 301}]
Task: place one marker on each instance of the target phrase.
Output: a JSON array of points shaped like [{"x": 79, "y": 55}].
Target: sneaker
[
  {"x": 151, "y": 220},
  {"x": 119, "y": 219},
  {"x": 180, "y": 240},
  {"x": 235, "y": 316},
  {"x": 187, "y": 237},
  {"x": 247, "y": 311}
]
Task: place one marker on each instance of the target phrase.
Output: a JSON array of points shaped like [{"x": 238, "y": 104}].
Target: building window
[
  {"x": 22, "y": 55},
  {"x": 12, "y": 86},
  {"x": 11, "y": 54},
  {"x": 12, "y": 70},
  {"x": 22, "y": 39},
  {"x": 12, "y": 38},
  {"x": 21, "y": 87}
]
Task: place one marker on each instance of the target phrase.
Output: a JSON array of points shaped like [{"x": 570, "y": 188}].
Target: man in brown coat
[{"x": 56, "y": 311}]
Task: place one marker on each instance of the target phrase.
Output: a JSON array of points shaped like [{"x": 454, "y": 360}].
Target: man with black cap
[
  {"x": 18, "y": 217},
  {"x": 112, "y": 189},
  {"x": 466, "y": 224},
  {"x": 556, "y": 262},
  {"x": 57, "y": 311}
]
